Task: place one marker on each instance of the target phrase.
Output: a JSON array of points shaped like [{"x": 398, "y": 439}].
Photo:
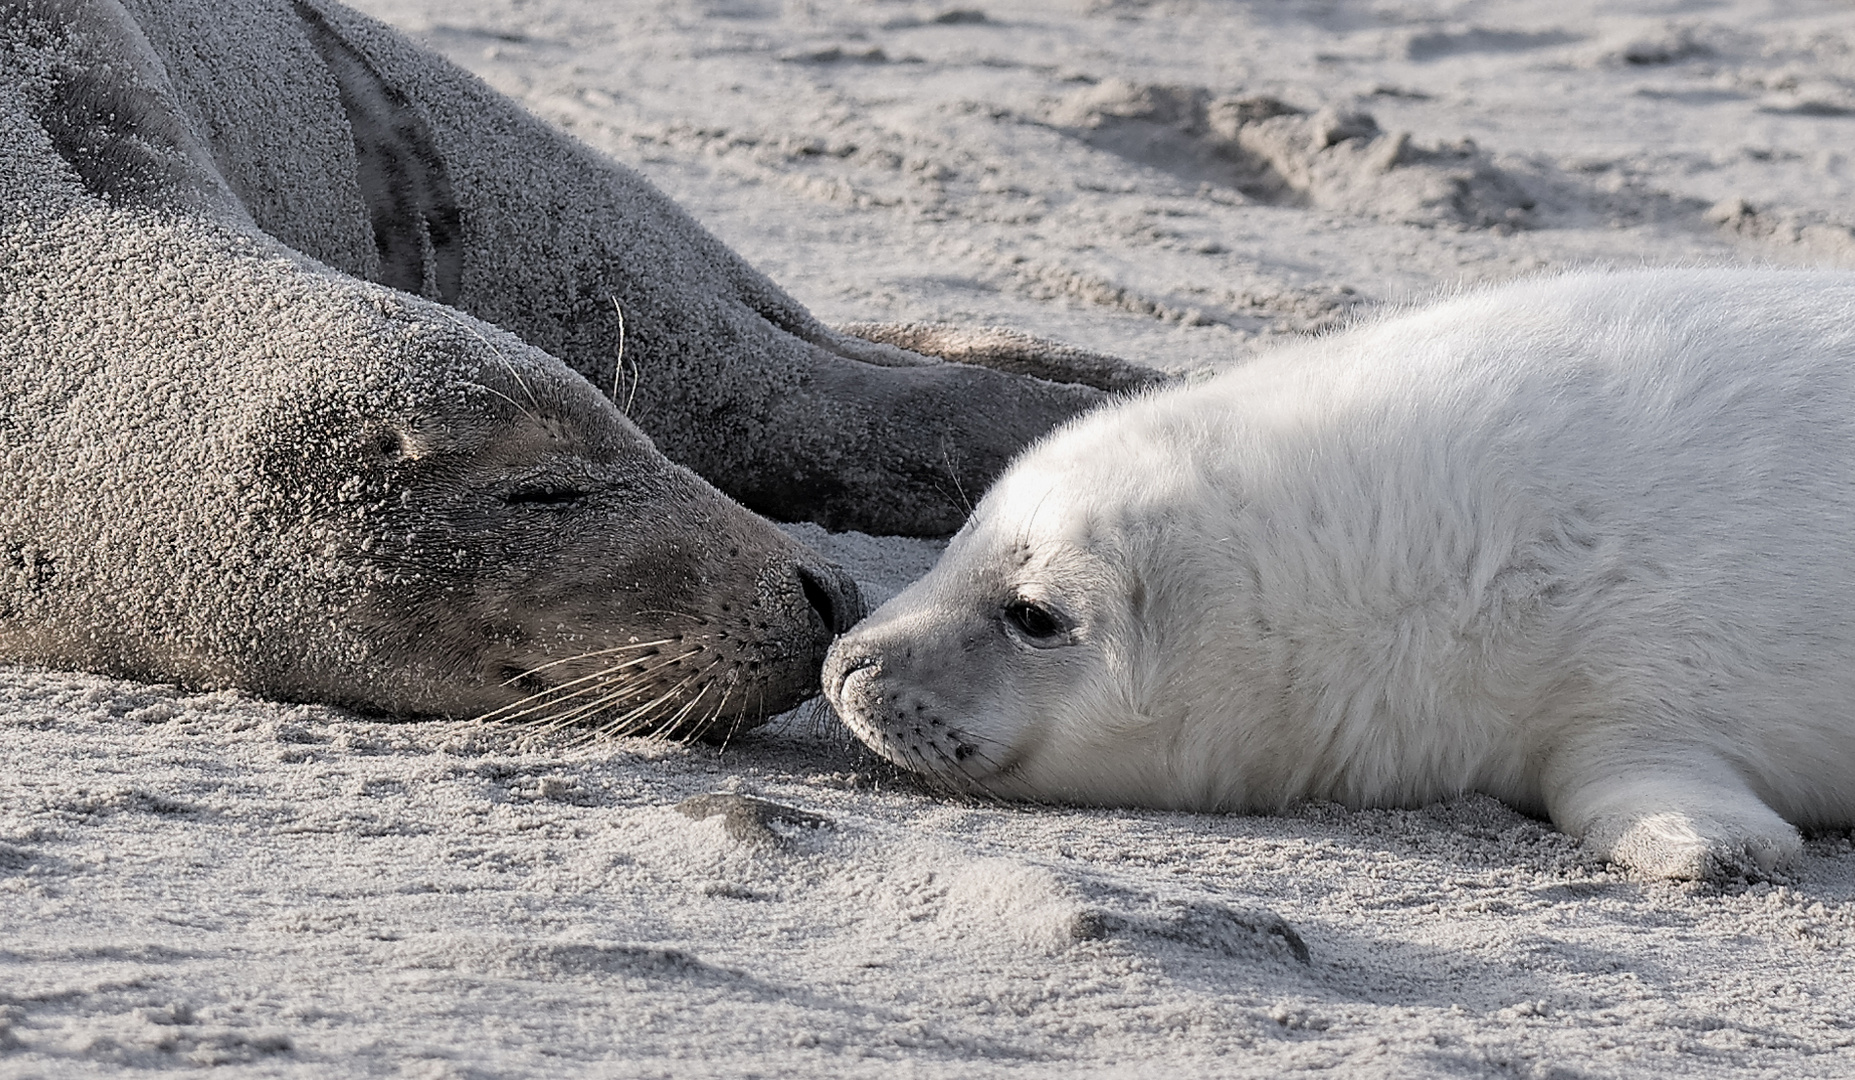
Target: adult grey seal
[
  {"x": 259, "y": 431},
  {"x": 224, "y": 464},
  {"x": 1580, "y": 543}
]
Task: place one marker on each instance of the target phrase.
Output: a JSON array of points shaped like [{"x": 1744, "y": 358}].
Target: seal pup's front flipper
[{"x": 1668, "y": 812}]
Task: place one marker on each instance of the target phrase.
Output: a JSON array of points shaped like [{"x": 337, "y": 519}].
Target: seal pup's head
[{"x": 1050, "y": 653}]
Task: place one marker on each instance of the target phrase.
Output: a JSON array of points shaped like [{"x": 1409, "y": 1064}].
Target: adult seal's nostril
[{"x": 833, "y": 595}]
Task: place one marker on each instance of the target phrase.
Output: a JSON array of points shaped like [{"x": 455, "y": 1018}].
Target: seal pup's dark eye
[{"x": 1040, "y": 624}]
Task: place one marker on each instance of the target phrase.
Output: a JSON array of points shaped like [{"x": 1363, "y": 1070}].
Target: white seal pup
[{"x": 1585, "y": 544}]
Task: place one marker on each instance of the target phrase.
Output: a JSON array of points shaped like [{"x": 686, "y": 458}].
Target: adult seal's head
[{"x": 326, "y": 492}]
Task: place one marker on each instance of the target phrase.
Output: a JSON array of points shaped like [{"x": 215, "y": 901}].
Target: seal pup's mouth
[{"x": 913, "y": 734}]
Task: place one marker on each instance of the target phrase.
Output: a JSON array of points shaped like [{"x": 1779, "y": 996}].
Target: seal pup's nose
[
  {"x": 833, "y": 595},
  {"x": 846, "y": 658}
]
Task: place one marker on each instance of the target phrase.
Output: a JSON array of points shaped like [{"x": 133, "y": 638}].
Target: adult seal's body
[
  {"x": 324, "y": 130},
  {"x": 222, "y": 463},
  {"x": 259, "y": 430},
  {"x": 1583, "y": 544}
]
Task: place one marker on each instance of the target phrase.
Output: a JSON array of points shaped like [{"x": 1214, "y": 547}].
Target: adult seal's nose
[{"x": 833, "y": 595}]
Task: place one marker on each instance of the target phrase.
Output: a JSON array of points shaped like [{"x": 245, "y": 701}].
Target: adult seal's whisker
[
  {"x": 600, "y": 680},
  {"x": 647, "y": 715},
  {"x": 600, "y": 704},
  {"x": 385, "y": 502},
  {"x": 629, "y": 690},
  {"x": 578, "y": 657}
]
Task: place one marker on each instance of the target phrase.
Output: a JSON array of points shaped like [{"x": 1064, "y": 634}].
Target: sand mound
[{"x": 1333, "y": 159}]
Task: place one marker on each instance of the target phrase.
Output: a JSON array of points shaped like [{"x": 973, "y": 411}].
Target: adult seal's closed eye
[
  {"x": 1579, "y": 543},
  {"x": 417, "y": 514}
]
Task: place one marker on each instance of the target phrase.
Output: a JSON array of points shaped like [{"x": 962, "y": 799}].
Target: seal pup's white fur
[{"x": 1581, "y": 543}]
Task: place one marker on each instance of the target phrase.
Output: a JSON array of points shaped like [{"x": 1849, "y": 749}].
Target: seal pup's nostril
[
  {"x": 840, "y": 665},
  {"x": 833, "y": 595}
]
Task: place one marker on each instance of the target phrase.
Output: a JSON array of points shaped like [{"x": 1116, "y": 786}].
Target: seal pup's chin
[{"x": 965, "y": 755}]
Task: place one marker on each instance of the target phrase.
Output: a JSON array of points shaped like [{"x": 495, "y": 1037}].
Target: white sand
[{"x": 192, "y": 879}]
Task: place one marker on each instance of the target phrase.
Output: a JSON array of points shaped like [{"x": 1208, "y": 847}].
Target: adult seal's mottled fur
[
  {"x": 258, "y": 429},
  {"x": 1583, "y": 544},
  {"x": 353, "y": 496}
]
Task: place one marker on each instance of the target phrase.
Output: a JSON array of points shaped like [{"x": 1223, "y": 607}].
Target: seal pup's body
[{"x": 1581, "y": 543}]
